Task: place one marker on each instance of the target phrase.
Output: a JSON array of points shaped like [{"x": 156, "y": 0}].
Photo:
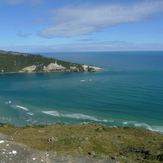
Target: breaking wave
[
  {"x": 53, "y": 113},
  {"x": 152, "y": 128},
  {"x": 19, "y": 107},
  {"x": 29, "y": 113},
  {"x": 75, "y": 116},
  {"x": 33, "y": 121},
  {"x": 5, "y": 119},
  {"x": 22, "y": 107},
  {"x": 144, "y": 125}
]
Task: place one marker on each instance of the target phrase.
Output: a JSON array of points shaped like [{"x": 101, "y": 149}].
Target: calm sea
[{"x": 129, "y": 92}]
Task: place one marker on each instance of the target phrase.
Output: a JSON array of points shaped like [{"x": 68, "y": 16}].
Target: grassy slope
[
  {"x": 14, "y": 62},
  {"x": 124, "y": 144}
]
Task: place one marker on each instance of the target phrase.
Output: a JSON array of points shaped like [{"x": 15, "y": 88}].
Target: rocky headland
[{"x": 24, "y": 62}]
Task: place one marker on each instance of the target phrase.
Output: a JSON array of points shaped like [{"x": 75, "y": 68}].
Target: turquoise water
[{"x": 129, "y": 92}]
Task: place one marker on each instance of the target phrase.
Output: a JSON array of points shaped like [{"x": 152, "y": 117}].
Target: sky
[{"x": 81, "y": 25}]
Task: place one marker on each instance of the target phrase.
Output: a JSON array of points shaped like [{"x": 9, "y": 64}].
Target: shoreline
[
  {"x": 100, "y": 69},
  {"x": 148, "y": 127}
]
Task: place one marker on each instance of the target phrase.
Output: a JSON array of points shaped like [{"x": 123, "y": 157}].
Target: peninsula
[{"x": 24, "y": 62}]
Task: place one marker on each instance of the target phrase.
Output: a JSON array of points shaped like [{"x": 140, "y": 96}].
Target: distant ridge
[{"x": 23, "y": 62}]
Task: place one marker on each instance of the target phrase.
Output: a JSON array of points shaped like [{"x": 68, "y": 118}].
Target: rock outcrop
[
  {"x": 53, "y": 67},
  {"x": 29, "y": 69},
  {"x": 91, "y": 68},
  {"x": 23, "y": 62},
  {"x": 56, "y": 67}
]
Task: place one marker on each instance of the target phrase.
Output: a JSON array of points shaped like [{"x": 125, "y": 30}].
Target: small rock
[
  {"x": 52, "y": 139},
  {"x": 86, "y": 138},
  {"x": 100, "y": 129},
  {"x": 113, "y": 157},
  {"x": 14, "y": 152},
  {"x": 92, "y": 153},
  {"x": 2, "y": 141}
]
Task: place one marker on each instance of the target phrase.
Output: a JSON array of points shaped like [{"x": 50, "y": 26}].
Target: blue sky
[{"x": 81, "y": 25}]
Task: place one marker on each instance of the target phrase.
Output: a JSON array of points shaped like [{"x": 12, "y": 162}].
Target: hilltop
[
  {"x": 24, "y": 62},
  {"x": 87, "y": 139}
]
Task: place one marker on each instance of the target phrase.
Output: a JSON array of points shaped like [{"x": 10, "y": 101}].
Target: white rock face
[
  {"x": 53, "y": 66},
  {"x": 56, "y": 66},
  {"x": 73, "y": 68},
  {"x": 29, "y": 68},
  {"x": 85, "y": 67},
  {"x": 95, "y": 68}
]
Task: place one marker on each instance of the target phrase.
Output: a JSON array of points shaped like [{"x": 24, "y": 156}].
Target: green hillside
[{"x": 14, "y": 62}]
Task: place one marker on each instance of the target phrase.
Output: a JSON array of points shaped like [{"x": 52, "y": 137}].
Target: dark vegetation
[{"x": 14, "y": 61}]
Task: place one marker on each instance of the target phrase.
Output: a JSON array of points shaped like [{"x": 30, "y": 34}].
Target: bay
[{"x": 129, "y": 92}]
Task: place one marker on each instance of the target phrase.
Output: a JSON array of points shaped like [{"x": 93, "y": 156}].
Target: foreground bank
[
  {"x": 115, "y": 144},
  {"x": 13, "y": 152}
]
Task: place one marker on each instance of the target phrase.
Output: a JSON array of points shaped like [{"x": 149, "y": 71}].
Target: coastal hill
[
  {"x": 24, "y": 62},
  {"x": 86, "y": 142}
]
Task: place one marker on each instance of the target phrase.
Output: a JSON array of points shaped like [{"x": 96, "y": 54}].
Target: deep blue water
[{"x": 129, "y": 92}]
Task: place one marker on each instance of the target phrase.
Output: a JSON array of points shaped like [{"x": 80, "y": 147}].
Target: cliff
[{"x": 24, "y": 62}]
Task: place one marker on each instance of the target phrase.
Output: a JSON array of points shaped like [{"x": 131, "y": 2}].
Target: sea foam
[
  {"x": 152, "y": 128},
  {"x": 53, "y": 113},
  {"x": 8, "y": 102},
  {"x": 21, "y": 107},
  {"x": 75, "y": 116},
  {"x": 144, "y": 125},
  {"x": 29, "y": 113},
  {"x": 30, "y": 120}
]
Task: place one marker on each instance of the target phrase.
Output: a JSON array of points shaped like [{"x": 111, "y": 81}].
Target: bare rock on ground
[
  {"x": 5, "y": 137},
  {"x": 12, "y": 152}
]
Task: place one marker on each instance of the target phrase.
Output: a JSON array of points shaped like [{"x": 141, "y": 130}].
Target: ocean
[{"x": 128, "y": 92}]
